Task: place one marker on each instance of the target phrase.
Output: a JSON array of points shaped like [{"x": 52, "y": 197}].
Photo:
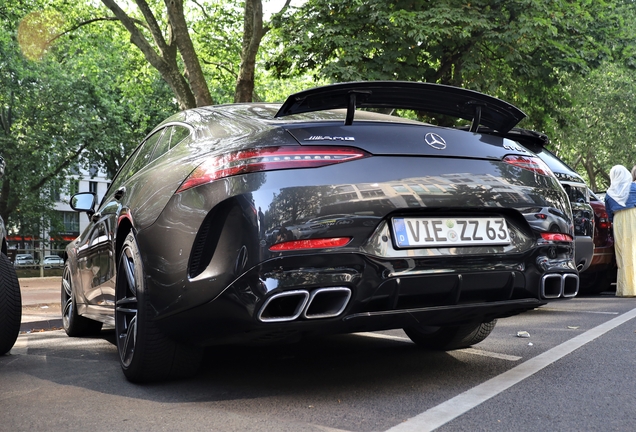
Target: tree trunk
[
  {"x": 193, "y": 71},
  {"x": 162, "y": 56},
  {"x": 252, "y": 35}
]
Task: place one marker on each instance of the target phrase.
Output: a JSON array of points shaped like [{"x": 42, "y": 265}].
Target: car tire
[
  {"x": 451, "y": 337},
  {"x": 145, "y": 353},
  {"x": 10, "y": 305},
  {"x": 74, "y": 324}
]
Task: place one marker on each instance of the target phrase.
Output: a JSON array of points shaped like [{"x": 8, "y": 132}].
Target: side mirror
[{"x": 84, "y": 202}]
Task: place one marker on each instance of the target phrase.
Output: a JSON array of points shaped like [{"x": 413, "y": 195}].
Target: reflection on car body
[{"x": 252, "y": 223}]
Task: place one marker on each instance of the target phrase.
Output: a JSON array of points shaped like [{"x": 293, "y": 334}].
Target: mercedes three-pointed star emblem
[{"x": 435, "y": 141}]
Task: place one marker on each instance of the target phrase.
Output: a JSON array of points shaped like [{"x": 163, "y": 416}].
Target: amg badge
[{"x": 329, "y": 138}]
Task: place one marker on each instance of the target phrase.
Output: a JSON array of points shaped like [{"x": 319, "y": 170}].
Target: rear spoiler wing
[
  {"x": 525, "y": 137},
  {"x": 457, "y": 102}
]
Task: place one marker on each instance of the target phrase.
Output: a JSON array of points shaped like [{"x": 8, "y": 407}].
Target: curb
[{"x": 42, "y": 325}]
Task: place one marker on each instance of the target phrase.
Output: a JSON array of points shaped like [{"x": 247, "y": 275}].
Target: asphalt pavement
[{"x": 41, "y": 308}]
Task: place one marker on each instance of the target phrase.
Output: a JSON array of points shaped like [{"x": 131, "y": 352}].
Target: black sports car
[{"x": 267, "y": 223}]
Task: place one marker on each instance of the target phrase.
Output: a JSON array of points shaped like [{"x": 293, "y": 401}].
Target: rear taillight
[
  {"x": 530, "y": 163},
  {"x": 311, "y": 244},
  {"x": 557, "y": 237},
  {"x": 268, "y": 159},
  {"x": 603, "y": 221}
]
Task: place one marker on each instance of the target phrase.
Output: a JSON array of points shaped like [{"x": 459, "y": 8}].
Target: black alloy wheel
[
  {"x": 450, "y": 337},
  {"x": 145, "y": 354},
  {"x": 74, "y": 324},
  {"x": 10, "y": 305}
]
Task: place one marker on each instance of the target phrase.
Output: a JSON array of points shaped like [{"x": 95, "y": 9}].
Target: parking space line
[
  {"x": 384, "y": 336},
  {"x": 490, "y": 354},
  {"x": 445, "y": 412},
  {"x": 473, "y": 351},
  {"x": 579, "y": 311},
  {"x": 20, "y": 347}
]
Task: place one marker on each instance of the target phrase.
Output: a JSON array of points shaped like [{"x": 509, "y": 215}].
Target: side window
[
  {"x": 173, "y": 136},
  {"x": 164, "y": 144},
  {"x": 130, "y": 166},
  {"x": 178, "y": 135},
  {"x": 144, "y": 153}
]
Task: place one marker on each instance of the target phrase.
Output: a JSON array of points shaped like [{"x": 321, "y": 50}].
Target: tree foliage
[
  {"x": 514, "y": 49},
  {"x": 63, "y": 104},
  {"x": 600, "y": 132}
]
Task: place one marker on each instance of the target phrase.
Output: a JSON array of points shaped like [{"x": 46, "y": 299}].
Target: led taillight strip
[
  {"x": 558, "y": 237},
  {"x": 530, "y": 163},
  {"x": 322, "y": 243},
  {"x": 268, "y": 159}
]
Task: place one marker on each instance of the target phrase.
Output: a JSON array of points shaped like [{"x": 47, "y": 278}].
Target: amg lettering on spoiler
[{"x": 329, "y": 138}]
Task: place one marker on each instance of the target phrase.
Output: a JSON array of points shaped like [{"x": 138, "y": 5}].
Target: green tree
[
  {"x": 600, "y": 129},
  {"x": 516, "y": 49},
  {"x": 162, "y": 34},
  {"x": 64, "y": 105}
]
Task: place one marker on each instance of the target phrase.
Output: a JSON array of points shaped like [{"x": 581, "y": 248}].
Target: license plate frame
[{"x": 411, "y": 232}]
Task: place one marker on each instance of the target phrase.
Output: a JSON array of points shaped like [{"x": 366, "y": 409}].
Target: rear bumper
[{"x": 438, "y": 291}]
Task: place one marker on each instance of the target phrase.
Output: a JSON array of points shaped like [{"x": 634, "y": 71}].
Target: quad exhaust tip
[
  {"x": 291, "y": 305},
  {"x": 556, "y": 285},
  {"x": 327, "y": 302},
  {"x": 285, "y": 306}
]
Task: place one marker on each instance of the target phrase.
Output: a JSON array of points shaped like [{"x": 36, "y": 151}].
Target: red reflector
[
  {"x": 268, "y": 159},
  {"x": 311, "y": 244},
  {"x": 556, "y": 237},
  {"x": 529, "y": 163}
]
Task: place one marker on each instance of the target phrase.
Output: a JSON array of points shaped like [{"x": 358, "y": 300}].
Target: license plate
[{"x": 450, "y": 231}]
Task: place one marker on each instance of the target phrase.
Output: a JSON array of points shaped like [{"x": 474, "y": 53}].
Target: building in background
[{"x": 73, "y": 223}]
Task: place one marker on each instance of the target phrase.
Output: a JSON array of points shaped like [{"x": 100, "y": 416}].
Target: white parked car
[
  {"x": 22, "y": 260},
  {"x": 53, "y": 261}
]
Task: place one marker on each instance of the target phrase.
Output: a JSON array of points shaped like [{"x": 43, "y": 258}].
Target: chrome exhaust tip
[
  {"x": 285, "y": 306},
  {"x": 327, "y": 302},
  {"x": 551, "y": 286},
  {"x": 570, "y": 285}
]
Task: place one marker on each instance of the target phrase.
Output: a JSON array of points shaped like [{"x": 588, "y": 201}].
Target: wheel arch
[{"x": 124, "y": 227}]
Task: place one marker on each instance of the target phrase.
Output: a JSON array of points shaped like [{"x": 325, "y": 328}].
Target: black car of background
[
  {"x": 576, "y": 189},
  {"x": 10, "y": 301},
  {"x": 268, "y": 223}
]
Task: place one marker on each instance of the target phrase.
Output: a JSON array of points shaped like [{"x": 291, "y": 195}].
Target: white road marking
[
  {"x": 491, "y": 354},
  {"x": 579, "y": 311},
  {"x": 20, "y": 347},
  {"x": 384, "y": 336},
  {"x": 445, "y": 412},
  {"x": 466, "y": 350}
]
